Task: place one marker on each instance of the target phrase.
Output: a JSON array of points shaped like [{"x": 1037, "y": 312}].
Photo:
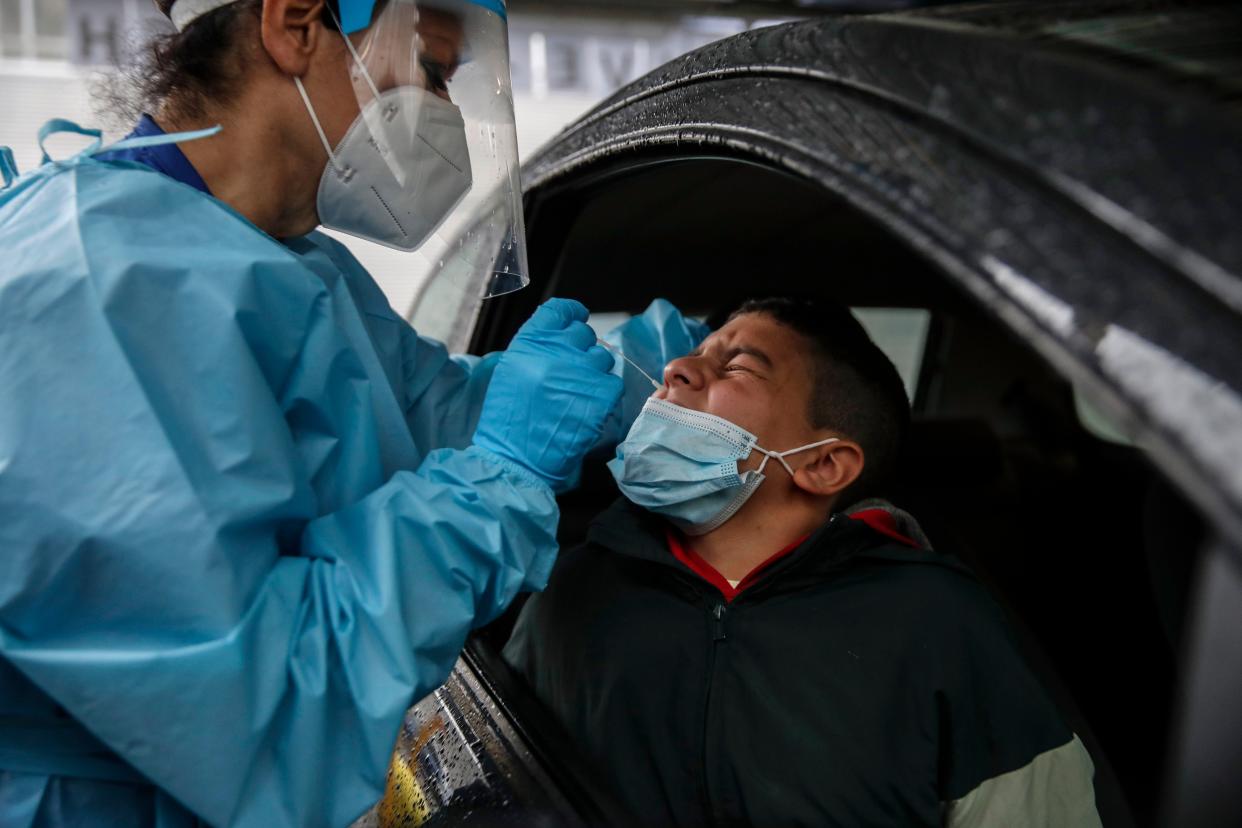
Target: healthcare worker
[{"x": 247, "y": 515}]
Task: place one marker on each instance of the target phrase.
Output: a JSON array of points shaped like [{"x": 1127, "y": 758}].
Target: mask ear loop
[
  {"x": 347, "y": 173},
  {"x": 781, "y": 455},
  {"x": 388, "y": 113},
  {"x": 349, "y": 44}
]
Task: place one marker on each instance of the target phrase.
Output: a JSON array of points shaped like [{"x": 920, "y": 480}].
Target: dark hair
[
  {"x": 184, "y": 71},
  {"x": 857, "y": 390}
]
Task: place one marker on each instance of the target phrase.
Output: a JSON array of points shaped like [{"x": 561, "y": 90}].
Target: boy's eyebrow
[
  {"x": 748, "y": 350},
  {"x": 738, "y": 350}
]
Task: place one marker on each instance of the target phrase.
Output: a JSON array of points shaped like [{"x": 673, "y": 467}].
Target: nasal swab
[{"x": 617, "y": 351}]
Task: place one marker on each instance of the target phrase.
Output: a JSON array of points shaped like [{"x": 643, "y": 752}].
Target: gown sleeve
[
  {"x": 440, "y": 394},
  {"x": 444, "y": 392}
]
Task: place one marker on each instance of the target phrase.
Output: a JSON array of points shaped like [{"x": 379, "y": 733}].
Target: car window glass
[
  {"x": 447, "y": 306},
  {"x": 901, "y": 333}
]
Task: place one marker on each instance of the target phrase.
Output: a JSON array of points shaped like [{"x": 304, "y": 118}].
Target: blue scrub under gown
[{"x": 242, "y": 529}]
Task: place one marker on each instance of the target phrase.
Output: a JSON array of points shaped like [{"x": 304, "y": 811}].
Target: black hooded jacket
[{"x": 857, "y": 681}]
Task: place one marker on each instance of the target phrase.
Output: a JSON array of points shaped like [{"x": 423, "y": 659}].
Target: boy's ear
[{"x": 830, "y": 469}]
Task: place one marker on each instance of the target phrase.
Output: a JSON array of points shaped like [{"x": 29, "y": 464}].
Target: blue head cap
[{"x": 356, "y": 14}]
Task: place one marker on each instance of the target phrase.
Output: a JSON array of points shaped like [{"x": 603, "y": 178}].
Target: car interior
[{"x": 1088, "y": 548}]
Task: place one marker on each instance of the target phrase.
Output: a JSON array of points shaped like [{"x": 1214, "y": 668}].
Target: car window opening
[{"x": 1004, "y": 452}]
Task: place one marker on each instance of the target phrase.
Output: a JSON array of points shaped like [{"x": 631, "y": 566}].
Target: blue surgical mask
[{"x": 682, "y": 464}]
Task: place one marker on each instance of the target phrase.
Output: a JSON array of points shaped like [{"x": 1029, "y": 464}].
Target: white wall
[{"x": 31, "y": 94}]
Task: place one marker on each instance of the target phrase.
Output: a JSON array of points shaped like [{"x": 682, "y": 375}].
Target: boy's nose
[{"x": 685, "y": 373}]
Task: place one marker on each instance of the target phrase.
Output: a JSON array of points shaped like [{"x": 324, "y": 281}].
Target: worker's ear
[
  {"x": 291, "y": 30},
  {"x": 829, "y": 470}
]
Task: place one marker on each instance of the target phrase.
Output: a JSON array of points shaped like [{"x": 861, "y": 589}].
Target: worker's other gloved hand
[
  {"x": 550, "y": 394},
  {"x": 653, "y": 339}
]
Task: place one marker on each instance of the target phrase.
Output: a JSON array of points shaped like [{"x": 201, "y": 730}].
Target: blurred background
[{"x": 566, "y": 57}]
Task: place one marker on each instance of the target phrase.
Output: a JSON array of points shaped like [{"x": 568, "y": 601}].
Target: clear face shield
[{"x": 430, "y": 164}]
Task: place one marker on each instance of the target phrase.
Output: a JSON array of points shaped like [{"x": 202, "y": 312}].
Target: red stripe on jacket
[{"x": 878, "y": 519}]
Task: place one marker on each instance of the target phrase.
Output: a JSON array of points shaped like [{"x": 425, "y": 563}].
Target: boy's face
[{"x": 754, "y": 372}]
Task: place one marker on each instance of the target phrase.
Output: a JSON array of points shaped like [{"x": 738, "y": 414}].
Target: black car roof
[{"x": 1190, "y": 42}]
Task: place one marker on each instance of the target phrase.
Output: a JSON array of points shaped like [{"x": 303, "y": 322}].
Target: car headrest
[{"x": 950, "y": 452}]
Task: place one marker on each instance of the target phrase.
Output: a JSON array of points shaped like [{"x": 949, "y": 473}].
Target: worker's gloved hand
[{"x": 550, "y": 394}]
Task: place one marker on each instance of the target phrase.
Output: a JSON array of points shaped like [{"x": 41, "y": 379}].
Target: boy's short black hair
[{"x": 857, "y": 390}]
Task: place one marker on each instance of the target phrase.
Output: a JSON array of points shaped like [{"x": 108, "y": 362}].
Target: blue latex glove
[{"x": 550, "y": 394}]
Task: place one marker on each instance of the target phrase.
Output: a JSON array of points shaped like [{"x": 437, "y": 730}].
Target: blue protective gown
[{"x": 242, "y": 526}]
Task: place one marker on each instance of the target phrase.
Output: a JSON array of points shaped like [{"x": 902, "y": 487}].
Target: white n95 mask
[
  {"x": 361, "y": 191},
  {"x": 682, "y": 464}
]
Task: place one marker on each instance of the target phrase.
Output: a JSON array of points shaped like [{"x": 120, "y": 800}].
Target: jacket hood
[{"x": 888, "y": 520}]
